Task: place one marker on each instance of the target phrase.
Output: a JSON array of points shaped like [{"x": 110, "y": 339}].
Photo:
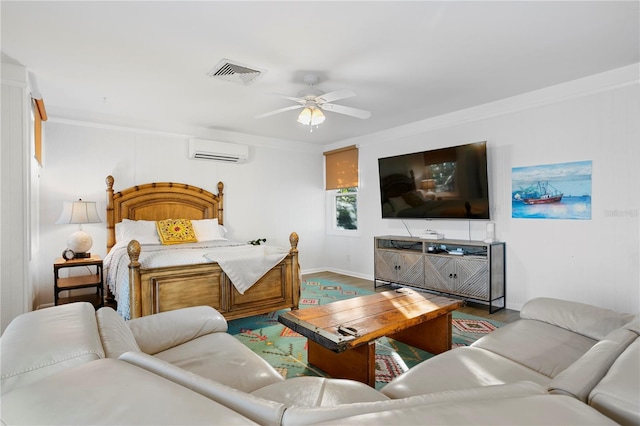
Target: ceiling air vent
[{"x": 235, "y": 72}]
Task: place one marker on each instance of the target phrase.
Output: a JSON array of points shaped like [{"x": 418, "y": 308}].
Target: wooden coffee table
[{"x": 341, "y": 335}]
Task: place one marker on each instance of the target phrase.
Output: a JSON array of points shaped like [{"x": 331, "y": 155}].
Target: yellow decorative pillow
[{"x": 176, "y": 231}]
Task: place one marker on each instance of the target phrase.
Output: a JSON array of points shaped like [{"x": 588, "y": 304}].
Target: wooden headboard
[{"x": 159, "y": 201}]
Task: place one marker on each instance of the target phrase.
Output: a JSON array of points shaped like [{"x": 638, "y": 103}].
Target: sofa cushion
[
  {"x": 111, "y": 392},
  {"x": 542, "y": 347},
  {"x": 617, "y": 395},
  {"x": 319, "y": 392},
  {"x": 582, "y": 376},
  {"x": 115, "y": 335},
  {"x": 40, "y": 343},
  {"x": 261, "y": 411},
  {"x": 588, "y": 320},
  {"x": 457, "y": 369},
  {"x": 164, "y": 330},
  {"x": 221, "y": 357}
]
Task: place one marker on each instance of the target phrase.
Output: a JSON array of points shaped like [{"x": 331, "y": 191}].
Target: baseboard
[
  {"x": 350, "y": 274},
  {"x": 312, "y": 271},
  {"x": 337, "y": 271}
]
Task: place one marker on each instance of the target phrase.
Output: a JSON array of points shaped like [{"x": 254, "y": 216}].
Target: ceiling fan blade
[
  {"x": 336, "y": 95},
  {"x": 291, "y": 98},
  {"x": 341, "y": 109},
  {"x": 278, "y": 111}
]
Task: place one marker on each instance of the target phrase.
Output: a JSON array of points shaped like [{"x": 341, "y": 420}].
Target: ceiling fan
[{"x": 313, "y": 102}]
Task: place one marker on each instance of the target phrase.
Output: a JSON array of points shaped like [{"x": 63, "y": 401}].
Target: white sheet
[
  {"x": 260, "y": 259},
  {"x": 245, "y": 265}
]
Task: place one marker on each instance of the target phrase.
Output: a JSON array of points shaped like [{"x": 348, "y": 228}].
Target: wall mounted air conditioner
[{"x": 202, "y": 149}]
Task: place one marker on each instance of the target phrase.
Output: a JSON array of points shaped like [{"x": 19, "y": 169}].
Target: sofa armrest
[
  {"x": 159, "y": 332},
  {"x": 296, "y": 415},
  {"x": 584, "y": 374},
  {"x": 111, "y": 392},
  {"x": 262, "y": 411},
  {"x": 40, "y": 343},
  {"x": 115, "y": 335},
  {"x": 587, "y": 320},
  {"x": 521, "y": 410},
  {"x": 617, "y": 395}
]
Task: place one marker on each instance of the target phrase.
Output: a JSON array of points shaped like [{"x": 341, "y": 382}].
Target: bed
[{"x": 143, "y": 288}]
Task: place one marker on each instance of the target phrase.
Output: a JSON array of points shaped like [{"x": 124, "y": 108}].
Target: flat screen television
[{"x": 447, "y": 183}]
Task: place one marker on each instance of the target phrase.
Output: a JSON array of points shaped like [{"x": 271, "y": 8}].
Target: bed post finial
[
  {"x": 133, "y": 249},
  {"x": 293, "y": 239}
]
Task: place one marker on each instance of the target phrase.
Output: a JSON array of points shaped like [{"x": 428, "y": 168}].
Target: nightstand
[{"x": 78, "y": 282}]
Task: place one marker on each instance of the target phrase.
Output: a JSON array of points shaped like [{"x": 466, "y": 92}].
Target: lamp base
[{"x": 79, "y": 242}]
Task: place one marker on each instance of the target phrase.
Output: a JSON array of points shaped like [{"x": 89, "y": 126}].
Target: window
[
  {"x": 444, "y": 175},
  {"x": 346, "y": 209},
  {"x": 341, "y": 173}
]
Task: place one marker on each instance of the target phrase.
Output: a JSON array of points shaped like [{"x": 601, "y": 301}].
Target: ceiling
[{"x": 145, "y": 64}]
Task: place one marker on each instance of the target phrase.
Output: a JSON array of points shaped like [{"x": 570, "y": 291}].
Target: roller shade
[
  {"x": 341, "y": 168},
  {"x": 40, "y": 115}
]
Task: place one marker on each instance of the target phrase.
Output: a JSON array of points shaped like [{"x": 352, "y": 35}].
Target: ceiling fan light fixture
[
  {"x": 305, "y": 116},
  {"x": 317, "y": 117},
  {"x": 311, "y": 116}
]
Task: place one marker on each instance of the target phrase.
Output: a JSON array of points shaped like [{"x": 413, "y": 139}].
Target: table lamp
[
  {"x": 429, "y": 185},
  {"x": 79, "y": 212}
]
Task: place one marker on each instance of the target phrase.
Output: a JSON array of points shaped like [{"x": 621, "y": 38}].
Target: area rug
[{"x": 286, "y": 350}]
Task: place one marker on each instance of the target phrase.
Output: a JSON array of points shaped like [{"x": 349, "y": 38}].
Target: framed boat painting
[{"x": 552, "y": 191}]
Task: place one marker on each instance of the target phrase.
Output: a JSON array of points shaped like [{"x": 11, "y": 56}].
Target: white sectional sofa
[{"x": 562, "y": 363}]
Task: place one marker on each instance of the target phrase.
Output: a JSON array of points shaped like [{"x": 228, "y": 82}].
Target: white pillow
[
  {"x": 207, "y": 229},
  {"x": 398, "y": 203},
  {"x": 144, "y": 231}
]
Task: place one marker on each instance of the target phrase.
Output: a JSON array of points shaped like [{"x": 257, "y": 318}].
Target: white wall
[
  {"x": 592, "y": 261},
  {"x": 279, "y": 190}
]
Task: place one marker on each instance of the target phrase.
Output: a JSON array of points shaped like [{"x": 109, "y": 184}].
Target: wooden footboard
[{"x": 154, "y": 290}]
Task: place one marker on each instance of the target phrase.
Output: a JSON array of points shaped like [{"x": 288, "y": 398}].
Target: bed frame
[{"x": 162, "y": 289}]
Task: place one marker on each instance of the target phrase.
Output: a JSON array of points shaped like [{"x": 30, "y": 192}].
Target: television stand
[{"x": 472, "y": 270}]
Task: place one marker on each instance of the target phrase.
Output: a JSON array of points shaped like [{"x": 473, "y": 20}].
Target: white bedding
[{"x": 244, "y": 264}]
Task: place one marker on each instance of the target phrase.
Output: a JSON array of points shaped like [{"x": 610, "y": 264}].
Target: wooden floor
[{"x": 504, "y": 315}]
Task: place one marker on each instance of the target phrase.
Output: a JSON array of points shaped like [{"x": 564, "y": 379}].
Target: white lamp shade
[{"x": 79, "y": 212}]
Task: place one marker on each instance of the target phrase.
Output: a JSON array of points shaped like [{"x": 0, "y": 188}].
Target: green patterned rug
[{"x": 286, "y": 350}]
